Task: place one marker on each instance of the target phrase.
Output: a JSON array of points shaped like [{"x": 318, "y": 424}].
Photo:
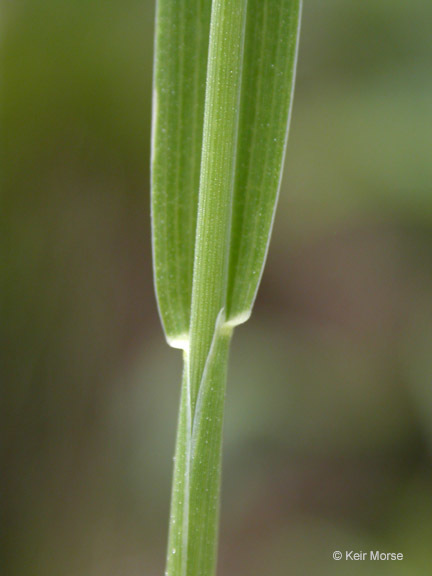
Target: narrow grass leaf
[
  {"x": 272, "y": 34},
  {"x": 181, "y": 46}
]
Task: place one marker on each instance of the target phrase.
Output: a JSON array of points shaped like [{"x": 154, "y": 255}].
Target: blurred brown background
[{"x": 329, "y": 406}]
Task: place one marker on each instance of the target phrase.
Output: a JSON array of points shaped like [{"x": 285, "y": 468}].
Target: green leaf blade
[
  {"x": 181, "y": 48},
  {"x": 182, "y": 40},
  {"x": 271, "y": 45}
]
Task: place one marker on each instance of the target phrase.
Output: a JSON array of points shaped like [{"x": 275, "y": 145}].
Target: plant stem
[
  {"x": 221, "y": 119},
  {"x": 194, "y": 519},
  {"x": 196, "y": 484}
]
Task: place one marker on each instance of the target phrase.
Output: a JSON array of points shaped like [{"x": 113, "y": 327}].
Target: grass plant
[{"x": 223, "y": 87}]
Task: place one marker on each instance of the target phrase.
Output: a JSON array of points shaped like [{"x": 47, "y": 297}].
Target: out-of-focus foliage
[{"x": 332, "y": 450}]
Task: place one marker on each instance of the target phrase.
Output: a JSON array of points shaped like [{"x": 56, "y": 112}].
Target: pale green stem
[
  {"x": 221, "y": 118},
  {"x": 195, "y": 498},
  {"x": 194, "y": 518}
]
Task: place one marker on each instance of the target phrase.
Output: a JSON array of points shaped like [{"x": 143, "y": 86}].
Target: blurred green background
[{"x": 329, "y": 406}]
